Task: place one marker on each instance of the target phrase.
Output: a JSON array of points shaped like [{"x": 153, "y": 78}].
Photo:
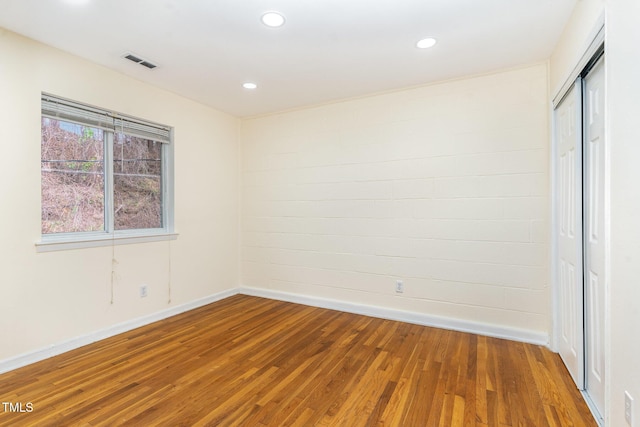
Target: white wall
[
  {"x": 574, "y": 40},
  {"x": 623, "y": 108},
  {"x": 46, "y": 298},
  {"x": 443, "y": 186}
]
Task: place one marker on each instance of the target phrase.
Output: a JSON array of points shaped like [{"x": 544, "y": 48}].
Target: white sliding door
[
  {"x": 580, "y": 239},
  {"x": 594, "y": 233},
  {"x": 568, "y": 192}
]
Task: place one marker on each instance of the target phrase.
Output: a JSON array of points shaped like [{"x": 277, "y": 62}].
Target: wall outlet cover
[
  {"x": 399, "y": 286},
  {"x": 628, "y": 408}
]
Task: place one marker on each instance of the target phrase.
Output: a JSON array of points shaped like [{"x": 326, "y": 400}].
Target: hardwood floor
[{"x": 247, "y": 361}]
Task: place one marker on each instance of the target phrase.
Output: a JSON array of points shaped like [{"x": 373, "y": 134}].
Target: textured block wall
[{"x": 445, "y": 187}]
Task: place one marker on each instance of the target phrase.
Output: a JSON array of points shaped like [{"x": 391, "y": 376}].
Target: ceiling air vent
[{"x": 138, "y": 60}]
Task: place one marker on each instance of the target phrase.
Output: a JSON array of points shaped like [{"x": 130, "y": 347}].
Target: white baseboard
[
  {"x": 64, "y": 346},
  {"x": 496, "y": 331}
]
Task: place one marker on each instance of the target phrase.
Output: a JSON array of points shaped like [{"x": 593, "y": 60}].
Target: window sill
[{"x": 100, "y": 241}]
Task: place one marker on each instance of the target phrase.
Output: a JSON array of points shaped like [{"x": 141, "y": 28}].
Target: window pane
[
  {"x": 137, "y": 190},
  {"x": 72, "y": 173}
]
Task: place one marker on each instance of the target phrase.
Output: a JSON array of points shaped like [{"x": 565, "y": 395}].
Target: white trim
[
  {"x": 423, "y": 319},
  {"x": 25, "y": 359},
  {"x": 554, "y": 342},
  {"x": 514, "y": 334},
  {"x": 595, "y": 40},
  {"x": 99, "y": 241}
]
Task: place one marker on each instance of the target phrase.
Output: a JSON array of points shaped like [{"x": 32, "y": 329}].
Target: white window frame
[{"x": 66, "y": 110}]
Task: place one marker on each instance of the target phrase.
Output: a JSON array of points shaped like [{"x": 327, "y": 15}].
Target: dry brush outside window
[
  {"x": 72, "y": 173},
  {"x": 137, "y": 182},
  {"x": 102, "y": 172}
]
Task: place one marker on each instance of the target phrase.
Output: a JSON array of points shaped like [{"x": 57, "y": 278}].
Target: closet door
[
  {"x": 568, "y": 160},
  {"x": 594, "y": 232}
]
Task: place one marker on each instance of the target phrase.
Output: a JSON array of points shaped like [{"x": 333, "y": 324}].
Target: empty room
[{"x": 336, "y": 212}]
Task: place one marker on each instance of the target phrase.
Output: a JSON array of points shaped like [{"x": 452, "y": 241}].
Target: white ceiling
[{"x": 327, "y": 50}]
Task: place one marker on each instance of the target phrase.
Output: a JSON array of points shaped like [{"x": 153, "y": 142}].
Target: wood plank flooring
[{"x": 247, "y": 361}]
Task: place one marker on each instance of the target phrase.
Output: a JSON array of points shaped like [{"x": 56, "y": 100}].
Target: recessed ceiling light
[
  {"x": 78, "y": 2},
  {"x": 426, "y": 43},
  {"x": 249, "y": 85},
  {"x": 273, "y": 19}
]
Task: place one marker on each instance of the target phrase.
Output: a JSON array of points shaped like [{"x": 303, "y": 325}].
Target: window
[{"x": 104, "y": 175}]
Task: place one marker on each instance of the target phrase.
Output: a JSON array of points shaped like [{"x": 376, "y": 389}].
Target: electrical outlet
[
  {"x": 628, "y": 408},
  {"x": 399, "y": 286},
  {"x": 143, "y": 291}
]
